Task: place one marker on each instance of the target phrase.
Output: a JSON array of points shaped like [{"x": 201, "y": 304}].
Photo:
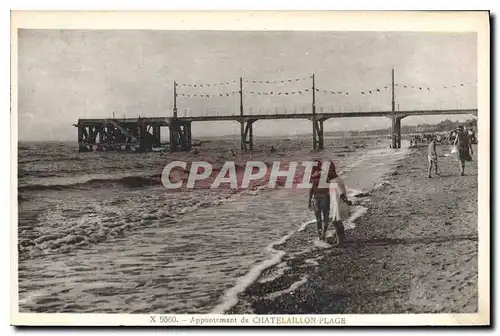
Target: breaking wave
[{"x": 127, "y": 181}]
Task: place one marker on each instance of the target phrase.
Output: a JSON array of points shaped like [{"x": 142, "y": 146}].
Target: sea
[{"x": 99, "y": 233}]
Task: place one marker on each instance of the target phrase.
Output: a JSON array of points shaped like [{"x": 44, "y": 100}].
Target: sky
[{"x": 64, "y": 75}]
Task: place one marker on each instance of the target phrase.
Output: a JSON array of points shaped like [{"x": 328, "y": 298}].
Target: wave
[
  {"x": 313, "y": 261},
  {"x": 230, "y": 298},
  {"x": 277, "y": 272},
  {"x": 127, "y": 181},
  {"x": 62, "y": 180},
  {"x": 137, "y": 181},
  {"x": 23, "y": 173},
  {"x": 290, "y": 289},
  {"x": 82, "y": 230},
  {"x": 48, "y": 158}
]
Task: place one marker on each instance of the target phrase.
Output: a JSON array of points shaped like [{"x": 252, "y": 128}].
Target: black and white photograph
[{"x": 252, "y": 176}]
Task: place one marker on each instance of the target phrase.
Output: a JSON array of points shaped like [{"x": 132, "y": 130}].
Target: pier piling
[
  {"x": 396, "y": 132},
  {"x": 247, "y": 135}
]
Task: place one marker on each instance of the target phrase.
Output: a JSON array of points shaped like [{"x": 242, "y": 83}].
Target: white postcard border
[{"x": 268, "y": 20}]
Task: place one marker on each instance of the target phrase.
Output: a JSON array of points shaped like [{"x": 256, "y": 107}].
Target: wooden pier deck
[{"x": 143, "y": 134}]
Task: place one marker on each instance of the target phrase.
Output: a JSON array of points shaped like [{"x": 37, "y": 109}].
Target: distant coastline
[{"x": 443, "y": 126}]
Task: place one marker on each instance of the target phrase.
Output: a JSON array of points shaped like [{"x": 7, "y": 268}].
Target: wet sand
[{"x": 415, "y": 251}]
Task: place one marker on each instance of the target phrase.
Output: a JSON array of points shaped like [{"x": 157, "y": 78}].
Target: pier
[{"x": 144, "y": 134}]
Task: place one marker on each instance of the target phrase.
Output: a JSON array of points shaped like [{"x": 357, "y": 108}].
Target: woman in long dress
[
  {"x": 339, "y": 206},
  {"x": 464, "y": 148}
]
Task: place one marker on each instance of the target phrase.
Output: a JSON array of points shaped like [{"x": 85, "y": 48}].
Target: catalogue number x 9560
[{"x": 165, "y": 319}]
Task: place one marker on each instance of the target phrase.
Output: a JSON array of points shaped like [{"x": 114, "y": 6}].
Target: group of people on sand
[
  {"x": 440, "y": 138},
  {"x": 463, "y": 145},
  {"x": 326, "y": 201},
  {"x": 415, "y": 139}
]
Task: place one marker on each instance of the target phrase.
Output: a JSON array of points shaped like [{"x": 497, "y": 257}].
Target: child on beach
[
  {"x": 339, "y": 205},
  {"x": 433, "y": 157}
]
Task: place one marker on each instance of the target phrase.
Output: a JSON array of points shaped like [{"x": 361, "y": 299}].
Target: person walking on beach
[
  {"x": 433, "y": 157},
  {"x": 464, "y": 148},
  {"x": 319, "y": 199},
  {"x": 331, "y": 200},
  {"x": 339, "y": 207}
]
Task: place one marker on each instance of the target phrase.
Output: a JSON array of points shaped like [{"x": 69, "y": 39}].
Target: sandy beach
[{"x": 414, "y": 251}]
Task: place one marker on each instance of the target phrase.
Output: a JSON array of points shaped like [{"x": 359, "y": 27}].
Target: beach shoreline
[
  {"x": 133, "y": 238},
  {"x": 414, "y": 251}
]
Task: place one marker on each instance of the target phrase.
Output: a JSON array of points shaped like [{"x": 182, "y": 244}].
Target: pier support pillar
[
  {"x": 318, "y": 138},
  {"x": 180, "y": 136},
  {"x": 393, "y": 133},
  {"x": 321, "y": 138},
  {"x": 189, "y": 137},
  {"x": 156, "y": 134},
  {"x": 396, "y": 132},
  {"x": 174, "y": 136},
  {"x": 247, "y": 134},
  {"x": 171, "y": 137},
  {"x": 81, "y": 140},
  {"x": 144, "y": 143},
  {"x": 86, "y": 138},
  {"x": 315, "y": 140},
  {"x": 184, "y": 136},
  {"x": 242, "y": 136},
  {"x": 109, "y": 136}
]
